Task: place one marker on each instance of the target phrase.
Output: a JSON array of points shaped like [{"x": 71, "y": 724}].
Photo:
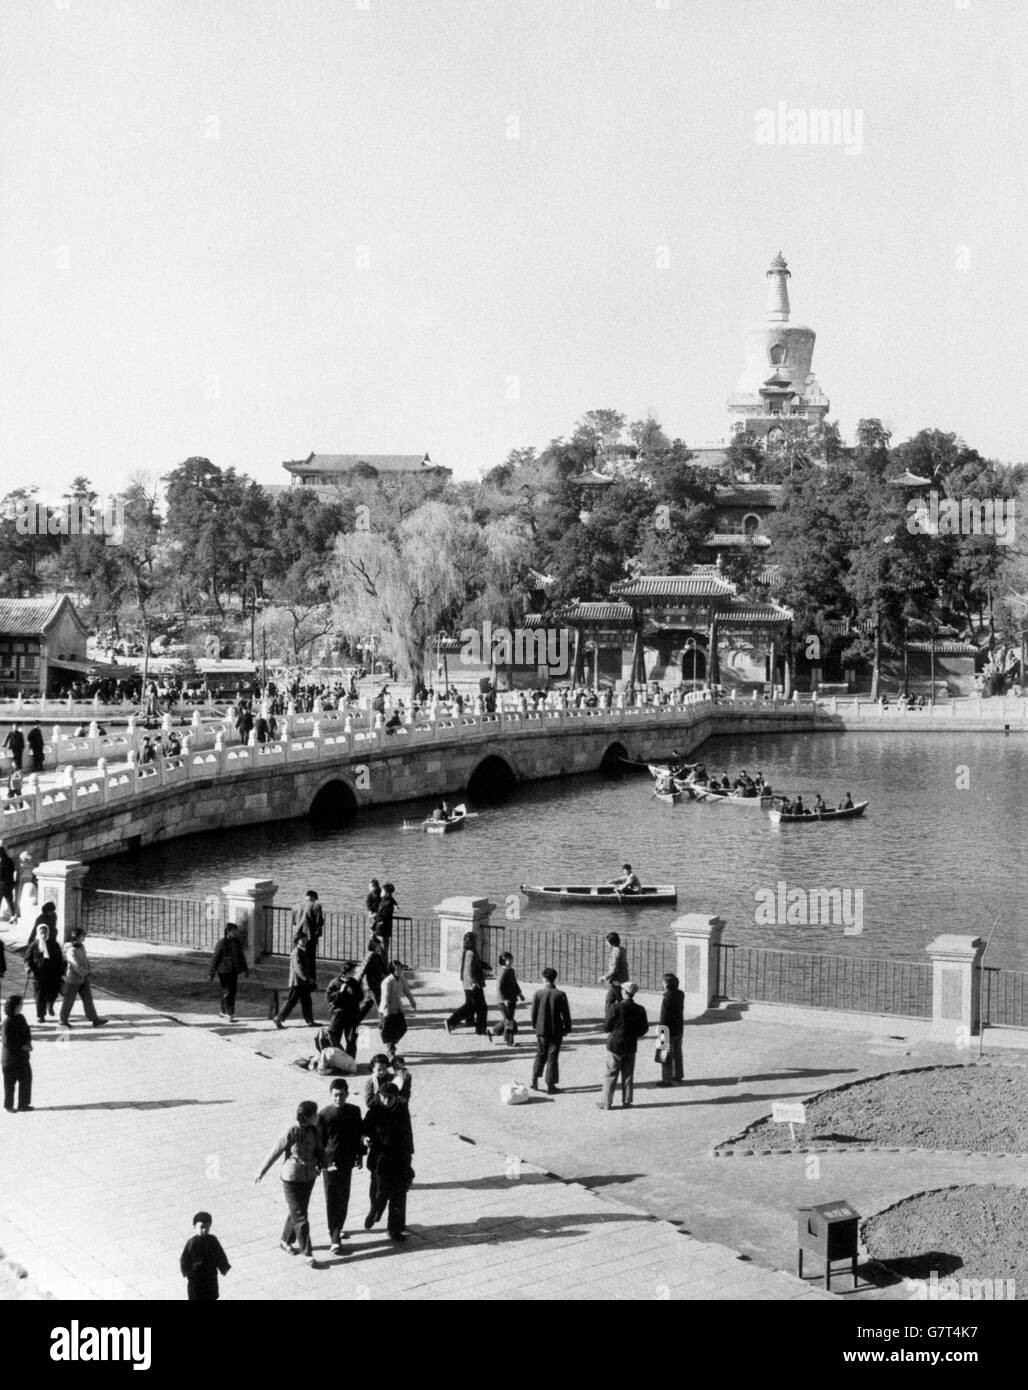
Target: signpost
[{"x": 789, "y": 1112}]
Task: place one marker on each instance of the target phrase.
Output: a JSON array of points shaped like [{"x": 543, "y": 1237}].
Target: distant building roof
[
  {"x": 593, "y": 479},
  {"x": 750, "y": 495},
  {"x": 30, "y": 617},
  {"x": 743, "y": 613},
  {"x": 345, "y": 463},
  {"x": 673, "y": 586},
  {"x": 908, "y": 479},
  {"x": 729, "y": 539},
  {"x": 611, "y": 614}
]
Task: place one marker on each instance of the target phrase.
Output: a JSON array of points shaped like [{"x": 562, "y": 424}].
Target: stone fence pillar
[
  {"x": 956, "y": 966},
  {"x": 245, "y": 901},
  {"x": 460, "y": 915},
  {"x": 60, "y": 883},
  {"x": 698, "y": 940}
]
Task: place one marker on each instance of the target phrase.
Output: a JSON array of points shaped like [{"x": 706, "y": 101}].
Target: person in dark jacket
[
  {"x": 344, "y": 997},
  {"x": 15, "y": 1054},
  {"x": 472, "y": 977},
  {"x": 340, "y": 1136},
  {"x": 44, "y": 964},
  {"x": 45, "y": 917},
  {"x": 374, "y": 897},
  {"x": 228, "y": 964},
  {"x": 383, "y": 924},
  {"x": 551, "y": 1019},
  {"x": 391, "y": 1148},
  {"x": 386, "y": 1071},
  {"x": 8, "y": 871},
  {"x": 626, "y": 1023},
  {"x": 36, "y": 747},
  {"x": 202, "y": 1261},
  {"x": 309, "y": 922},
  {"x": 509, "y": 990},
  {"x": 15, "y": 745},
  {"x": 672, "y": 1022},
  {"x": 374, "y": 969},
  {"x": 617, "y": 962},
  {"x": 299, "y": 984}
]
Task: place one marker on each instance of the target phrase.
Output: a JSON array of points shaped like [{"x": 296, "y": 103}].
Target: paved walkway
[
  {"x": 140, "y": 1123},
  {"x": 177, "y": 1117}
]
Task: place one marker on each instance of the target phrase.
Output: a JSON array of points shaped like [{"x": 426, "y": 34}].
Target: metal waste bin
[{"x": 828, "y": 1231}]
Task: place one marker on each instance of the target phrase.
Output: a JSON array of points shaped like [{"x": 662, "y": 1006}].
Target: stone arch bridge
[{"x": 331, "y": 772}]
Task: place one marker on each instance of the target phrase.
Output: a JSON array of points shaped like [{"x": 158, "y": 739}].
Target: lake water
[{"x": 941, "y": 847}]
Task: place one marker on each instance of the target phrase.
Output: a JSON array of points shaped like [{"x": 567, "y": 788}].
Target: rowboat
[
  {"x": 758, "y": 803},
  {"x": 813, "y": 817},
  {"x": 443, "y": 827},
  {"x": 603, "y": 895},
  {"x": 670, "y": 795}
]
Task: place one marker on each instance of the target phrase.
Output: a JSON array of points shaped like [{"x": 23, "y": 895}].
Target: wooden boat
[
  {"x": 443, "y": 827},
  {"x": 778, "y": 816},
  {"x": 758, "y": 803},
  {"x": 668, "y": 794},
  {"x": 603, "y": 895}
]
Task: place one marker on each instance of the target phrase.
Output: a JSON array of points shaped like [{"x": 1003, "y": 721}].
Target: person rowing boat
[{"x": 628, "y": 883}]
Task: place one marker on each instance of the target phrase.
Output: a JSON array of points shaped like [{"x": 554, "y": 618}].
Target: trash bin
[{"x": 828, "y": 1231}]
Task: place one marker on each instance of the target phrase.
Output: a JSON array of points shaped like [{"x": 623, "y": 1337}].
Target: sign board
[{"x": 788, "y": 1112}]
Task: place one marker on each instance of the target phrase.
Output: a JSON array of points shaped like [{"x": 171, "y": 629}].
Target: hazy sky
[{"x": 250, "y": 228}]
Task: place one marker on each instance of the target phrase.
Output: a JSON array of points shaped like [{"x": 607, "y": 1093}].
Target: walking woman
[
  {"x": 44, "y": 964},
  {"x": 472, "y": 977},
  {"x": 228, "y": 964},
  {"x": 510, "y": 993},
  {"x": 303, "y": 1157},
  {"x": 15, "y": 1052},
  {"x": 394, "y": 992}
]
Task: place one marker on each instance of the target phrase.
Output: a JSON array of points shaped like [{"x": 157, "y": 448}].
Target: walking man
[
  {"x": 299, "y": 984},
  {"x": 7, "y": 872},
  {"x": 551, "y": 1019},
  {"x": 387, "y": 1126},
  {"x": 383, "y": 924},
  {"x": 340, "y": 1135},
  {"x": 76, "y": 981},
  {"x": 672, "y": 1027},
  {"x": 626, "y": 1022},
  {"x": 228, "y": 964},
  {"x": 35, "y": 743},
  {"x": 309, "y": 922},
  {"x": 15, "y": 745}
]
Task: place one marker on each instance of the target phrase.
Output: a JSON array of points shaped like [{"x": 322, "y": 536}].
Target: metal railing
[
  {"x": 809, "y": 980},
  {"x": 415, "y": 940},
  {"x": 196, "y": 922},
  {"x": 1004, "y": 997},
  {"x": 581, "y": 960}
]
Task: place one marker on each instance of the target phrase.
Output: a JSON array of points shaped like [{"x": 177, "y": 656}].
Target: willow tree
[{"x": 401, "y": 581}]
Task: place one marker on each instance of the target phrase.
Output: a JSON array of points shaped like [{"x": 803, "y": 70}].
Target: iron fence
[
  {"x": 1005, "y": 997},
  {"x": 415, "y": 940},
  {"x": 194, "y": 922},
  {"x": 804, "y": 978},
  {"x": 581, "y": 960}
]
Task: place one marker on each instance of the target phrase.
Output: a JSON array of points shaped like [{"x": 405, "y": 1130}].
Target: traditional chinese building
[{"x": 42, "y": 644}]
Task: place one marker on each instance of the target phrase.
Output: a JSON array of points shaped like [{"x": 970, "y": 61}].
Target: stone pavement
[{"x": 140, "y": 1123}]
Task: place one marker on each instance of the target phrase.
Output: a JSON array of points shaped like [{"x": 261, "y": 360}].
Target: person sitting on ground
[{"x": 628, "y": 882}]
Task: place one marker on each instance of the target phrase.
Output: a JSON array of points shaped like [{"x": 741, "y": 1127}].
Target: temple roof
[
  {"x": 707, "y": 585},
  {"x": 736, "y": 539},
  {"x": 750, "y": 495},
  {"x": 908, "y": 479}
]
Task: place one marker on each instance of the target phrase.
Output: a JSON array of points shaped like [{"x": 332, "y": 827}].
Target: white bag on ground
[
  {"x": 514, "y": 1093},
  {"x": 335, "y": 1061}
]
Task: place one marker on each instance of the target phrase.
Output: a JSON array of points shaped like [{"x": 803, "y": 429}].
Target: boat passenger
[
  {"x": 629, "y": 881},
  {"x": 797, "y": 807},
  {"x": 847, "y": 805},
  {"x": 819, "y": 804},
  {"x": 725, "y": 783},
  {"x": 437, "y": 812}
]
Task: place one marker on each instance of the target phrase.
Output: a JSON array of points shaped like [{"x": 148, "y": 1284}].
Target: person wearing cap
[
  {"x": 383, "y": 923},
  {"x": 77, "y": 981},
  {"x": 339, "y": 1132},
  {"x": 202, "y": 1261},
  {"x": 344, "y": 996},
  {"x": 626, "y": 1023},
  {"x": 309, "y": 922},
  {"x": 393, "y": 1021},
  {"x": 388, "y": 1129}
]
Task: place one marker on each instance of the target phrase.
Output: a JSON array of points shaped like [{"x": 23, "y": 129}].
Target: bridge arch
[
  {"x": 611, "y": 764},
  {"x": 492, "y": 777},
  {"x": 334, "y": 802}
]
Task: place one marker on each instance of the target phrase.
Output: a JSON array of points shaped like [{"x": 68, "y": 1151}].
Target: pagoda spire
[{"x": 778, "y": 291}]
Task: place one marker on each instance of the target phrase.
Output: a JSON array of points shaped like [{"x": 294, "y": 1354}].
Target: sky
[{"x": 251, "y": 229}]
